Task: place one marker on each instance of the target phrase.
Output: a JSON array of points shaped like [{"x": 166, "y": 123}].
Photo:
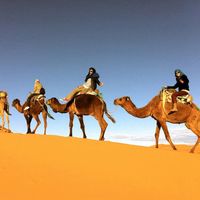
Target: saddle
[
  {"x": 92, "y": 92},
  {"x": 166, "y": 95},
  {"x": 37, "y": 97}
]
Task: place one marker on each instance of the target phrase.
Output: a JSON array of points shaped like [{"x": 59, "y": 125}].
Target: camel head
[
  {"x": 17, "y": 105},
  {"x": 53, "y": 103},
  {"x": 122, "y": 101},
  {"x": 15, "y": 102},
  {"x": 56, "y": 106}
]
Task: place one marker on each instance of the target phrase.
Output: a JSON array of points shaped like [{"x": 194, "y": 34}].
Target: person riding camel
[
  {"x": 182, "y": 83},
  {"x": 38, "y": 89},
  {"x": 90, "y": 85}
]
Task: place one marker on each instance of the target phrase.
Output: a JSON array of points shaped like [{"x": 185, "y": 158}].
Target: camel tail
[
  {"x": 7, "y": 109},
  {"x": 108, "y": 115},
  {"x": 8, "y": 112},
  {"x": 48, "y": 114}
]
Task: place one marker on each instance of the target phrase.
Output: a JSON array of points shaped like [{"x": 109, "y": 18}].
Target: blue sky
[{"x": 135, "y": 46}]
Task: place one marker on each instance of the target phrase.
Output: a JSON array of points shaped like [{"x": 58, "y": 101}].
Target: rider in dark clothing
[
  {"x": 94, "y": 77},
  {"x": 182, "y": 83}
]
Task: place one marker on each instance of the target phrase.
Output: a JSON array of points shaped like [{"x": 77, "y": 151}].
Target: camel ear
[{"x": 128, "y": 99}]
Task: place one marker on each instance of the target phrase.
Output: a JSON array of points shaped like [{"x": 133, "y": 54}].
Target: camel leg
[
  {"x": 167, "y": 135},
  {"x": 195, "y": 129},
  {"x": 28, "y": 122},
  {"x": 71, "y": 119},
  {"x": 103, "y": 124},
  {"x": 80, "y": 117},
  {"x": 8, "y": 121},
  {"x": 157, "y": 133},
  {"x": 3, "y": 121},
  {"x": 44, "y": 115},
  {"x": 194, "y": 147},
  {"x": 38, "y": 122}
]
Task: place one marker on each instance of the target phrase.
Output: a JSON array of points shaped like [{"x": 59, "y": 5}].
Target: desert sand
[{"x": 54, "y": 167}]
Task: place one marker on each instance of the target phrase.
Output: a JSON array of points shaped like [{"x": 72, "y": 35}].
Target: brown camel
[
  {"x": 4, "y": 110},
  {"x": 187, "y": 113},
  {"x": 84, "y": 104},
  {"x": 37, "y": 106}
]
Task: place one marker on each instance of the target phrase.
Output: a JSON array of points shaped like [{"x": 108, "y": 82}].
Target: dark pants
[{"x": 176, "y": 94}]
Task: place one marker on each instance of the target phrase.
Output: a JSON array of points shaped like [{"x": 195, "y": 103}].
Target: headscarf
[
  {"x": 178, "y": 71},
  {"x": 93, "y": 75}
]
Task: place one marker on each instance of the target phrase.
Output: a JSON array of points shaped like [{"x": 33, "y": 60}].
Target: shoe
[
  {"x": 65, "y": 99},
  {"x": 26, "y": 108}
]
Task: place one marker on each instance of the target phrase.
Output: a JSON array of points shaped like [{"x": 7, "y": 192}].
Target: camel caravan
[
  {"x": 86, "y": 101},
  {"x": 82, "y": 104}
]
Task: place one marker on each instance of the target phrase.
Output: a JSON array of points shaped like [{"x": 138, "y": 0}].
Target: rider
[
  {"x": 90, "y": 85},
  {"x": 38, "y": 89},
  {"x": 182, "y": 83}
]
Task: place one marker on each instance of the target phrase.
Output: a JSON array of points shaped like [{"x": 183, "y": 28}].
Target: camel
[
  {"x": 187, "y": 113},
  {"x": 37, "y": 106},
  {"x": 84, "y": 104},
  {"x": 4, "y": 110}
]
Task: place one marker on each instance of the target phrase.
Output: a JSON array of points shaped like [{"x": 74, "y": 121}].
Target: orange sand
[{"x": 53, "y": 167}]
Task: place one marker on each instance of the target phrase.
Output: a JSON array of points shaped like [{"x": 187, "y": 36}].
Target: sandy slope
[{"x": 53, "y": 167}]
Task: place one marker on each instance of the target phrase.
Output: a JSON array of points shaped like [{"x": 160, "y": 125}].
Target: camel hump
[
  {"x": 83, "y": 97},
  {"x": 3, "y": 94},
  {"x": 85, "y": 100}
]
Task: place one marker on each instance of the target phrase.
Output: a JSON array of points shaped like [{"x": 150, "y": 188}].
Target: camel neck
[
  {"x": 137, "y": 112},
  {"x": 62, "y": 108}
]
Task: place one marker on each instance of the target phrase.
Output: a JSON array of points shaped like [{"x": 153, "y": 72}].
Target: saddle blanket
[{"x": 166, "y": 95}]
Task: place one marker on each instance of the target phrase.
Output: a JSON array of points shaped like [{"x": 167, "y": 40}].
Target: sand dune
[{"x": 53, "y": 167}]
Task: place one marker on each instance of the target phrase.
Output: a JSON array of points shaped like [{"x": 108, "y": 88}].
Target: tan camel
[
  {"x": 187, "y": 113},
  {"x": 84, "y": 104},
  {"x": 37, "y": 106},
  {"x": 4, "y": 110}
]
